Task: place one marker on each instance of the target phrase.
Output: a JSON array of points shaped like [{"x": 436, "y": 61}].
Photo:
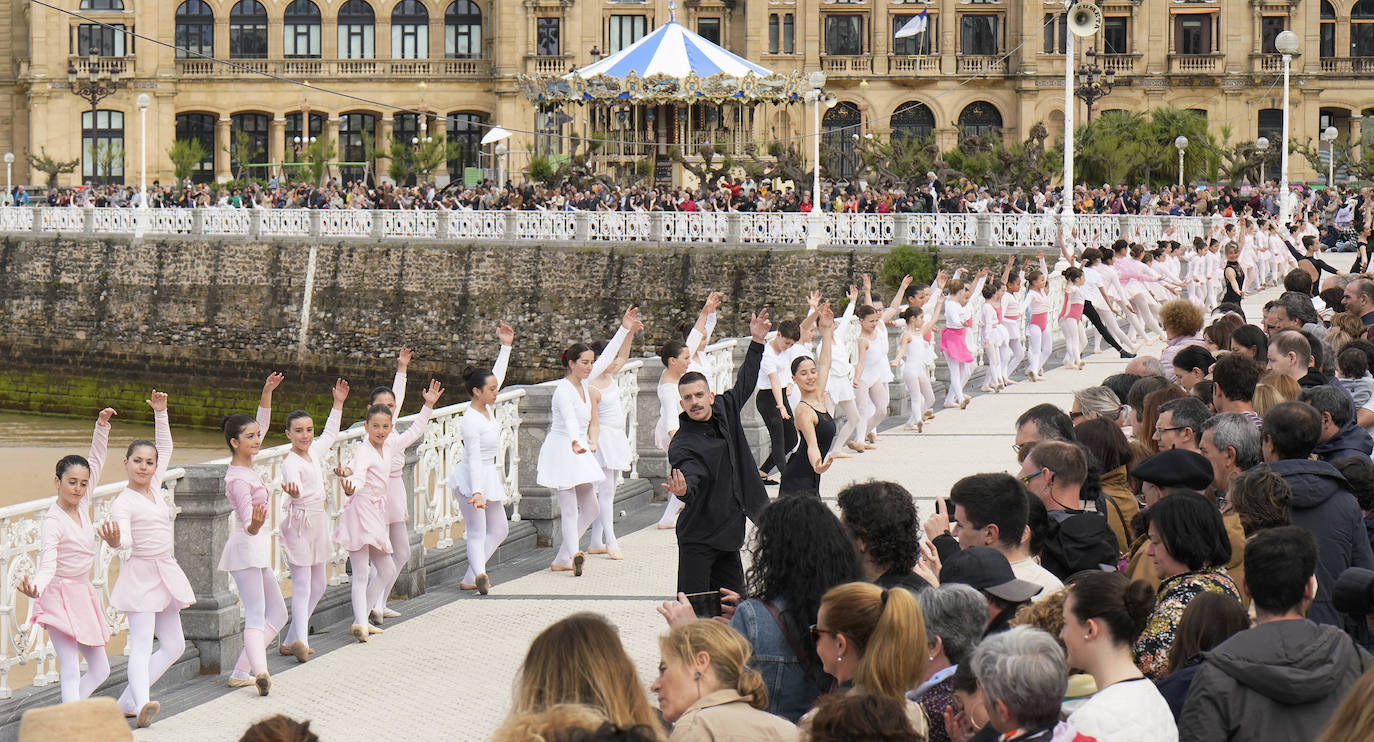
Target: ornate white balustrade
[{"x": 988, "y": 231}]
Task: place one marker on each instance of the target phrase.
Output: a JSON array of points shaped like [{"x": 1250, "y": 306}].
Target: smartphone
[{"x": 705, "y": 605}]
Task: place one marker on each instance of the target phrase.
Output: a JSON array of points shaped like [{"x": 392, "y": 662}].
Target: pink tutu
[
  {"x": 151, "y": 585},
  {"x": 396, "y": 510},
  {"x": 305, "y": 536},
  {"x": 70, "y": 605},
  {"x": 363, "y": 523},
  {"x": 952, "y": 343}
]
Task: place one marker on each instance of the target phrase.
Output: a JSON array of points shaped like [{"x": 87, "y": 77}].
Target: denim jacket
[{"x": 790, "y": 694}]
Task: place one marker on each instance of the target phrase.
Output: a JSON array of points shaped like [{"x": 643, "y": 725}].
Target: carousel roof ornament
[{"x": 672, "y": 64}]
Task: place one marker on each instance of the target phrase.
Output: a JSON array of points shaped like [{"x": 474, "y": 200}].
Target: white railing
[
  {"x": 720, "y": 361},
  {"x": 996, "y": 231},
  {"x": 19, "y": 543},
  {"x": 627, "y": 385}
]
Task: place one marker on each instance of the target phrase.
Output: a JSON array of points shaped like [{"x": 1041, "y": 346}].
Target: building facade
[{"x": 254, "y": 80}]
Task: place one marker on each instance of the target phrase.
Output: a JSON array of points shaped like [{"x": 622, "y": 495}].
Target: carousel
[{"x": 670, "y": 93}]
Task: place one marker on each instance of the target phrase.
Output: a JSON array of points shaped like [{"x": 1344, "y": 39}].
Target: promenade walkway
[{"x": 445, "y": 672}]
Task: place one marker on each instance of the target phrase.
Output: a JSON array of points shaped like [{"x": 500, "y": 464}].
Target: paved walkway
[{"x": 447, "y": 674}]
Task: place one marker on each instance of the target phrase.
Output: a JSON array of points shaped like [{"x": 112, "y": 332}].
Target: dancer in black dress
[
  {"x": 802, "y": 474},
  {"x": 1234, "y": 277}
]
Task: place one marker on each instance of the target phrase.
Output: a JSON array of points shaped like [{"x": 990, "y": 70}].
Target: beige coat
[{"x": 725, "y": 716}]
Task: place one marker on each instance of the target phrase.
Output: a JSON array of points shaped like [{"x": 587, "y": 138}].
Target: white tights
[
  {"x": 485, "y": 530},
  {"x": 76, "y": 686},
  {"x": 264, "y": 612},
  {"x": 958, "y": 376},
  {"x": 872, "y": 402},
  {"x": 400, "y": 555},
  {"x": 1073, "y": 341},
  {"x": 365, "y": 592},
  {"x": 603, "y": 528},
  {"x": 577, "y": 509},
  {"x": 992, "y": 353},
  {"x": 1018, "y": 354},
  {"x": 850, "y": 411},
  {"x": 145, "y": 665},
  {"x": 1146, "y": 309},
  {"x": 307, "y": 587},
  {"x": 918, "y": 389},
  {"x": 1040, "y": 345}
]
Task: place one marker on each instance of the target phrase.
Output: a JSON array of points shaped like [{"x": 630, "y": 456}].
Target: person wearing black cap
[
  {"x": 1160, "y": 474},
  {"x": 986, "y": 569}
]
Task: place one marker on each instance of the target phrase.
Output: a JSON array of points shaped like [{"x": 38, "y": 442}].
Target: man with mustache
[{"x": 714, "y": 474}]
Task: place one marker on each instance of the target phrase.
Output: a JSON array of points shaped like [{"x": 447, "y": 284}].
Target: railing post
[
  {"x": 982, "y": 232},
  {"x": 378, "y": 225},
  {"x": 537, "y": 504},
  {"x": 901, "y": 229},
  {"x": 734, "y": 224},
  {"x": 316, "y": 222},
  {"x": 411, "y": 581},
  {"x": 202, "y": 528},
  {"x": 657, "y": 227},
  {"x": 582, "y": 226},
  {"x": 197, "y": 221},
  {"x": 899, "y": 401},
  {"x": 255, "y": 223},
  {"x": 88, "y": 220},
  {"x": 37, "y": 219},
  {"x": 441, "y": 223},
  {"x": 653, "y": 463},
  {"x": 512, "y": 225}
]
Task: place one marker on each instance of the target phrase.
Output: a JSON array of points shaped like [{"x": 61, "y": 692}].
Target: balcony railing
[
  {"x": 105, "y": 65},
  {"x": 554, "y": 65},
  {"x": 927, "y": 64},
  {"x": 1348, "y": 65},
  {"x": 847, "y": 65},
  {"x": 345, "y": 68},
  {"x": 1195, "y": 63},
  {"x": 1266, "y": 63},
  {"x": 1121, "y": 64},
  {"x": 981, "y": 64}
]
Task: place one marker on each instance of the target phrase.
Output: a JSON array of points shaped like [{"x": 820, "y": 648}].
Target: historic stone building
[{"x": 342, "y": 68}]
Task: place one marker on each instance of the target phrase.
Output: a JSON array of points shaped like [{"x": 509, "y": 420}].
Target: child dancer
[
  {"x": 872, "y": 370},
  {"x": 151, "y": 589},
  {"x": 305, "y": 534},
  {"x": 958, "y": 318},
  {"x": 612, "y": 445},
  {"x": 1070, "y": 318},
  {"x": 840, "y": 383},
  {"x": 567, "y": 460},
  {"x": 1010, "y": 310},
  {"x": 247, "y": 555},
  {"x": 476, "y": 482},
  {"x": 362, "y": 529},
  {"x": 914, "y": 352},
  {"x": 995, "y": 340},
  {"x": 397, "y": 507},
  {"x": 65, "y": 603},
  {"x": 1037, "y": 325}
]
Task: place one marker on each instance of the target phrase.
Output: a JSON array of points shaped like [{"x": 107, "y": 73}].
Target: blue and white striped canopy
[{"x": 675, "y": 51}]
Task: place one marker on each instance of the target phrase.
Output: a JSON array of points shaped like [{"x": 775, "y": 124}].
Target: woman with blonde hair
[
  {"x": 707, "y": 690},
  {"x": 1285, "y": 386},
  {"x": 580, "y": 660},
  {"x": 1345, "y": 327},
  {"x": 875, "y": 640},
  {"x": 1094, "y": 402},
  {"x": 1354, "y": 718}
]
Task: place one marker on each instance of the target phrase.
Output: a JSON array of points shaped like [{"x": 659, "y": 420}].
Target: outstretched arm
[
  {"x": 896, "y": 305},
  {"x": 507, "y": 337},
  {"x": 398, "y": 384},
  {"x": 264, "y": 417},
  {"x": 162, "y": 433},
  {"x": 100, "y": 441},
  {"x": 629, "y": 325},
  {"x": 748, "y": 373}
]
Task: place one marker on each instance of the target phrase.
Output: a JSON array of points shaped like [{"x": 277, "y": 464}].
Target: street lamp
[
  {"x": 1329, "y": 136},
  {"x": 1181, "y": 142},
  {"x": 143, "y": 101},
  {"x": 1262, "y": 146},
  {"x": 817, "y": 97},
  {"x": 1096, "y": 83},
  {"x": 100, "y": 85},
  {"x": 1287, "y": 44},
  {"x": 501, "y": 150},
  {"x": 9, "y": 188}
]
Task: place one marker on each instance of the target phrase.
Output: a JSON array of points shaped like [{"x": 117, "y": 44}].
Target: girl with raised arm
[
  {"x": 362, "y": 529},
  {"x": 840, "y": 385},
  {"x": 397, "y": 510},
  {"x": 872, "y": 371},
  {"x": 612, "y": 445},
  {"x": 65, "y": 603},
  {"x": 305, "y": 534},
  {"x": 151, "y": 589},
  {"x": 1010, "y": 310},
  {"x": 247, "y": 555},
  {"x": 815, "y": 426},
  {"x": 995, "y": 339},
  {"x": 958, "y": 318},
  {"x": 914, "y": 351},
  {"x": 676, "y": 362},
  {"x": 1071, "y": 317},
  {"x": 476, "y": 482},
  {"x": 1037, "y": 306}
]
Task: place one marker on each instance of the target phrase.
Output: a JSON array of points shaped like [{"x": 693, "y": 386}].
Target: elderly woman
[
  {"x": 1189, "y": 547},
  {"x": 1023, "y": 675},
  {"x": 1182, "y": 321},
  {"x": 955, "y": 615},
  {"x": 1096, "y": 402}
]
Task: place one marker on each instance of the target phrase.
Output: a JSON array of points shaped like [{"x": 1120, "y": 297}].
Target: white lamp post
[
  {"x": 817, "y": 97},
  {"x": 1066, "y": 221},
  {"x": 1262, "y": 146},
  {"x": 143, "y": 101},
  {"x": 1329, "y": 136},
  {"x": 9, "y": 188},
  {"x": 1287, "y": 43},
  {"x": 1180, "y": 142},
  {"x": 501, "y": 150}
]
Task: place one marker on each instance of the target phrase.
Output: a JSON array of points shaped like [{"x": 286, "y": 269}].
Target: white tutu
[
  {"x": 489, "y": 482},
  {"x": 840, "y": 388},
  {"x": 613, "y": 450},
  {"x": 559, "y": 468}
]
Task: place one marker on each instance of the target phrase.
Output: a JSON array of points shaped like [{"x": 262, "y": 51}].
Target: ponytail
[
  {"x": 887, "y": 629},
  {"x": 750, "y": 685}
]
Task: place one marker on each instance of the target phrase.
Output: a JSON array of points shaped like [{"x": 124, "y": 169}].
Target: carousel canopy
[{"x": 670, "y": 64}]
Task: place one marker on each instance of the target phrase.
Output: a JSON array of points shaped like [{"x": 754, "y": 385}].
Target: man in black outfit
[{"x": 714, "y": 473}]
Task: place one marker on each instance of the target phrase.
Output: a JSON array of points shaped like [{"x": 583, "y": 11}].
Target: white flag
[{"x": 917, "y": 25}]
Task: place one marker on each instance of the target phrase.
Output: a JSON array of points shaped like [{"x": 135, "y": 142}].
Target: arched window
[
  {"x": 980, "y": 119},
  {"x": 357, "y": 28},
  {"x": 301, "y": 30},
  {"x": 295, "y": 128},
  {"x": 1362, "y": 29},
  {"x": 248, "y": 30},
  {"x": 102, "y": 4},
  {"x": 102, "y": 147},
  {"x": 199, "y": 127},
  {"x": 248, "y": 145},
  {"x": 912, "y": 119},
  {"x": 465, "y": 131},
  {"x": 195, "y": 30},
  {"x": 463, "y": 30},
  {"x": 355, "y": 130},
  {"x": 409, "y": 30},
  {"x": 838, "y": 127},
  {"x": 1327, "y": 39}
]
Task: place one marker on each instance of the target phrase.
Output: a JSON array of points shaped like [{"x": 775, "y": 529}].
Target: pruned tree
[{"x": 51, "y": 167}]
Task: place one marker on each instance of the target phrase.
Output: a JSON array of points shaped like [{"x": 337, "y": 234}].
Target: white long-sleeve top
[
  {"x": 372, "y": 468},
  {"x": 307, "y": 474},
  {"x": 478, "y": 473},
  {"x": 67, "y": 546},
  {"x": 145, "y": 525},
  {"x": 571, "y": 412}
]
